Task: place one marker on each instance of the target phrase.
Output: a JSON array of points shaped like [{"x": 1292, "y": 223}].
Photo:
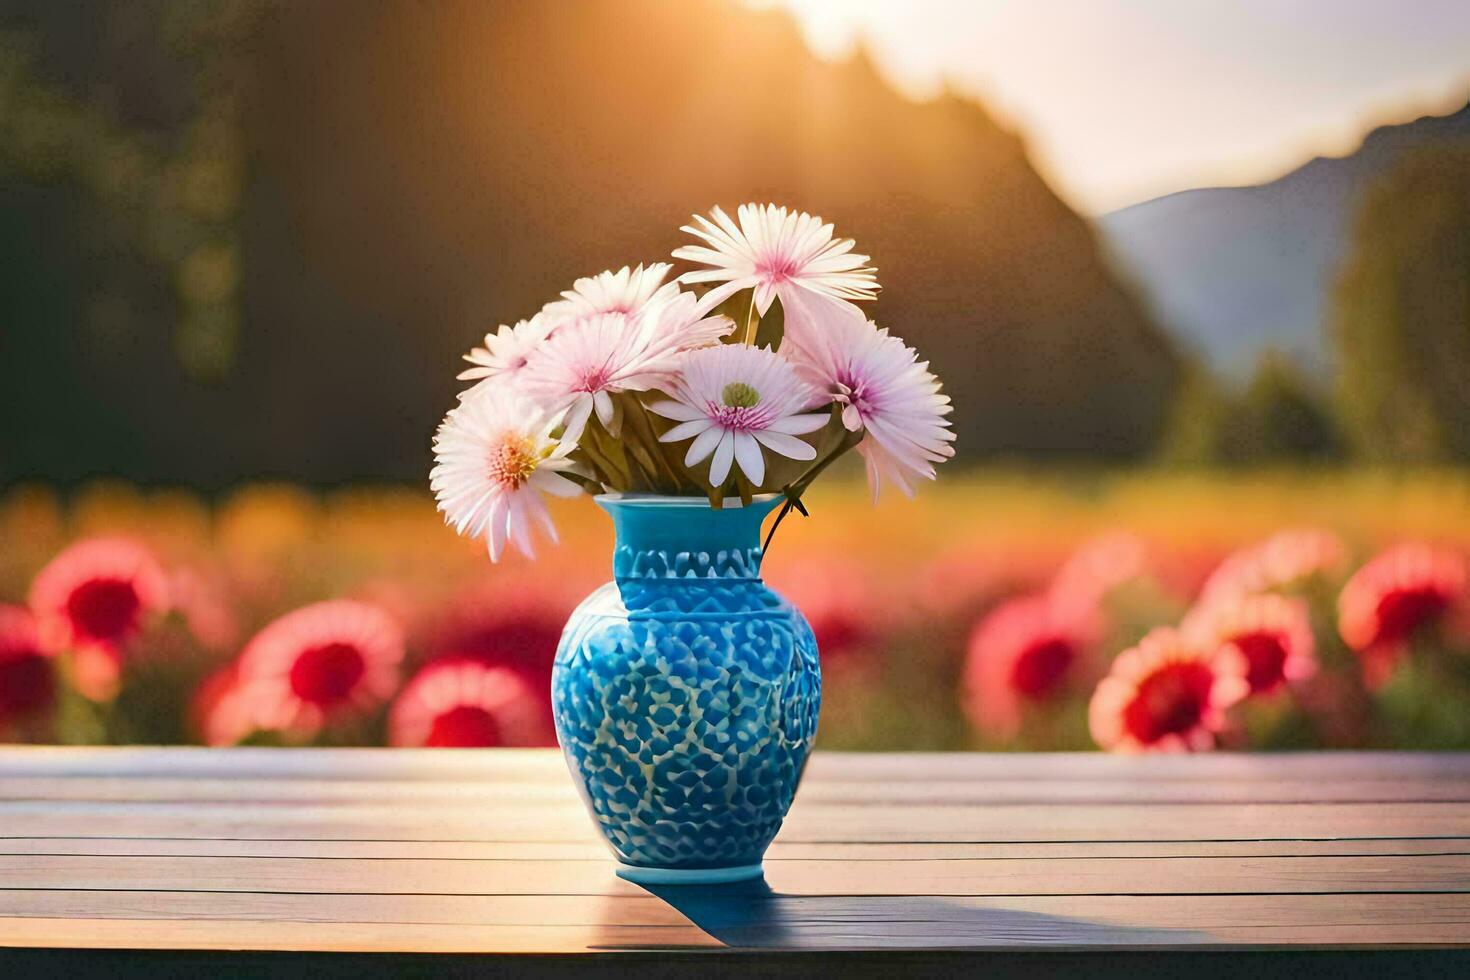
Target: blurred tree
[
  {"x": 1278, "y": 417},
  {"x": 1401, "y": 315},
  {"x": 1197, "y": 432},
  {"x": 1282, "y": 416}
]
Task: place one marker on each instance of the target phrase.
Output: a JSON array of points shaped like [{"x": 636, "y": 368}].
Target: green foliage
[
  {"x": 1400, "y": 316},
  {"x": 1278, "y": 417}
]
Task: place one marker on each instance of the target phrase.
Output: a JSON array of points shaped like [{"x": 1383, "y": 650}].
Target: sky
[{"x": 1124, "y": 100}]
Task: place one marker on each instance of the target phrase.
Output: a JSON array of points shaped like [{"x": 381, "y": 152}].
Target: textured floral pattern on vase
[{"x": 686, "y": 696}]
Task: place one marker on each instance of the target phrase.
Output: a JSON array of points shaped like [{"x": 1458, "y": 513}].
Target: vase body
[{"x": 686, "y": 693}]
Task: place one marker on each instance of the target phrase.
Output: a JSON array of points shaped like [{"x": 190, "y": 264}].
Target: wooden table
[{"x": 1021, "y": 860}]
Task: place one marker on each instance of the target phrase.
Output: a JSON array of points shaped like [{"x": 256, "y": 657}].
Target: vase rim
[{"x": 673, "y": 500}]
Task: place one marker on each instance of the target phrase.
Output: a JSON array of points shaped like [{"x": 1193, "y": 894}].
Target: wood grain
[{"x": 466, "y": 852}]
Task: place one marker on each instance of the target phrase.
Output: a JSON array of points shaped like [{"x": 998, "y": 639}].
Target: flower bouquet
[{"x": 685, "y": 692}]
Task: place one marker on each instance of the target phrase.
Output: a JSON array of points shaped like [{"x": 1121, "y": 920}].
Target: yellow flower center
[{"x": 511, "y": 462}]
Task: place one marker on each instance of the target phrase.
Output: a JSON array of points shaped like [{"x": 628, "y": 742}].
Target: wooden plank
[
  {"x": 546, "y": 765},
  {"x": 754, "y": 920},
  {"x": 445, "y": 793},
  {"x": 1001, "y": 876},
  {"x": 315, "y": 850},
  {"x": 836, "y": 824}
]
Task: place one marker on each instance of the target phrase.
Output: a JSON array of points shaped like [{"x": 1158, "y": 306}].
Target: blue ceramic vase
[{"x": 686, "y": 693}]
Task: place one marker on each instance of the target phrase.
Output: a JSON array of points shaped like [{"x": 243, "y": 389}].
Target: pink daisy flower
[
  {"x": 885, "y": 392},
  {"x": 776, "y": 252},
  {"x": 494, "y": 458},
  {"x": 27, "y": 670},
  {"x": 1027, "y": 650},
  {"x": 847, "y": 613},
  {"x": 1272, "y": 632},
  {"x": 102, "y": 591},
  {"x": 322, "y": 662},
  {"x": 588, "y": 361},
  {"x": 466, "y": 704},
  {"x": 1407, "y": 589},
  {"x": 507, "y": 351},
  {"x": 93, "y": 600},
  {"x": 734, "y": 402},
  {"x": 1282, "y": 560},
  {"x": 625, "y": 291},
  {"x": 1166, "y": 695}
]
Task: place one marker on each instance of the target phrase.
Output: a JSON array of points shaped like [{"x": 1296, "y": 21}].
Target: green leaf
[
  {"x": 737, "y": 308},
  {"x": 772, "y": 327}
]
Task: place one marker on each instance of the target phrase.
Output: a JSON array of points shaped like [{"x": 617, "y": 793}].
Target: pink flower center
[
  {"x": 1170, "y": 701},
  {"x": 593, "y": 381},
  {"x": 510, "y": 462},
  {"x": 464, "y": 727},
  {"x": 776, "y": 269},
  {"x": 1265, "y": 653},
  {"x": 27, "y": 685},
  {"x": 325, "y": 675},
  {"x": 104, "y": 609},
  {"x": 1403, "y": 611},
  {"x": 1041, "y": 667},
  {"x": 855, "y": 391}
]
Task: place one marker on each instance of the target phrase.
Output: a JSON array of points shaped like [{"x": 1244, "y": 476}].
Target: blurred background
[{"x": 1194, "y": 275}]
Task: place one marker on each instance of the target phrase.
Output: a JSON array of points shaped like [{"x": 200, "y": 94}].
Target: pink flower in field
[
  {"x": 494, "y": 458},
  {"x": 512, "y": 625},
  {"x": 1167, "y": 694},
  {"x": 458, "y": 703},
  {"x": 1285, "y": 558},
  {"x": 586, "y": 362},
  {"x": 885, "y": 392},
  {"x": 1026, "y": 651},
  {"x": 322, "y": 662},
  {"x": 776, "y": 252},
  {"x": 1098, "y": 567},
  {"x": 1272, "y": 632},
  {"x": 841, "y": 603},
  {"x": 736, "y": 402},
  {"x": 27, "y": 670},
  {"x": 1403, "y": 591},
  {"x": 625, "y": 291},
  {"x": 98, "y": 591},
  {"x": 92, "y": 601}
]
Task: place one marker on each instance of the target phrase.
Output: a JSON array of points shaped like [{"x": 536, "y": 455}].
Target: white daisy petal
[
  {"x": 719, "y": 466},
  {"x": 788, "y": 446},
  {"x": 703, "y": 445},
  {"x": 686, "y": 430},
  {"x": 748, "y": 455}
]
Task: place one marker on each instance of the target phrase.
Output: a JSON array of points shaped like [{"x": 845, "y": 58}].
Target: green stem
[
  {"x": 752, "y": 322},
  {"x": 657, "y": 450}
]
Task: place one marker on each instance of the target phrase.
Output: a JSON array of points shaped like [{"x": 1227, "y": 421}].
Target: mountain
[
  {"x": 421, "y": 172},
  {"x": 1234, "y": 269}
]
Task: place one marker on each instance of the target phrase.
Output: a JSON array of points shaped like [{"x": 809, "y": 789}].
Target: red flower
[
  {"x": 1283, "y": 559},
  {"x": 93, "y": 600},
  {"x": 27, "y": 674},
  {"x": 1166, "y": 695},
  {"x": 316, "y": 664},
  {"x": 1404, "y": 590},
  {"x": 1272, "y": 632},
  {"x": 459, "y": 703},
  {"x": 1025, "y": 651}
]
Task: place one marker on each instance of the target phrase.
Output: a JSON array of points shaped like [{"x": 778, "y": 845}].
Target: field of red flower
[{"x": 1132, "y": 612}]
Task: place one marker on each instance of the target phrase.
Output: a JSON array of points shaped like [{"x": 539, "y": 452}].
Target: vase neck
[{"x": 686, "y": 538}]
